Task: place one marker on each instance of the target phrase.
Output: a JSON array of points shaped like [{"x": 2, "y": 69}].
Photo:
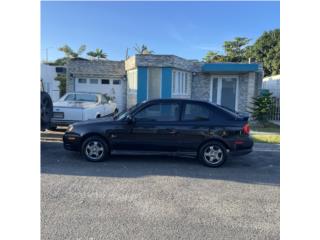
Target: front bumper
[
  {"x": 61, "y": 122},
  {"x": 72, "y": 141}
]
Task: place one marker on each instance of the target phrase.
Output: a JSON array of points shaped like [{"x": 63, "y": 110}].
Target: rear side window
[{"x": 196, "y": 112}]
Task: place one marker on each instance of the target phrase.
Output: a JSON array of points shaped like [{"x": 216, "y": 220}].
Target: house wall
[
  {"x": 100, "y": 69},
  {"x": 51, "y": 86}
]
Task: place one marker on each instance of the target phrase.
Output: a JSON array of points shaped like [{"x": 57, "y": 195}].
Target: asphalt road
[{"x": 139, "y": 197}]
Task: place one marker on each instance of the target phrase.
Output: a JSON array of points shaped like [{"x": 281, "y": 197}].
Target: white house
[
  {"x": 272, "y": 84},
  {"x": 50, "y": 85}
]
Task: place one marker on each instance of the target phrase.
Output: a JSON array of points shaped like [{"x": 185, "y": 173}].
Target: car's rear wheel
[
  {"x": 213, "y": 154},
  {"x": 95, "y": 149}
]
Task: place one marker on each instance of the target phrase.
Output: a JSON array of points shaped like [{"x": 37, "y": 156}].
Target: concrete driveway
[{"x": 135, "y": 197}]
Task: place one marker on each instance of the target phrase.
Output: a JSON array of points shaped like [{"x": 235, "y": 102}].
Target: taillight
[{"x": 246, "y": 129}]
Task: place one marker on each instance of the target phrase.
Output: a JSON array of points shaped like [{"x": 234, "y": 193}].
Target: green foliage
[
  {"x": 267, "y": 50},
  {"x": 143, "y": 49},
  {"x": 98, "y": 54},
  {"x": 62, "y": 78},
  {"x": 69, "y": 53},
  {"x": 262, "y": 107},
  {"x": 214, "y": 57},
  {"x": 236, "y": 49},
  {"x": 59, "y": 62}
]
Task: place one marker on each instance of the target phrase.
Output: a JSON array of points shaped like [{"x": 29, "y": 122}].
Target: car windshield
[
  {"x": 81, "y": 97},
  {"x": 122, "y": 115}
]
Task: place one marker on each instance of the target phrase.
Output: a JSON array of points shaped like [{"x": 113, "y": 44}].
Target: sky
[{"x": 185, "y": 29}]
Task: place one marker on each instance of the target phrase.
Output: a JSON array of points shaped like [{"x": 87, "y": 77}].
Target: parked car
[
  {"x": 75, "y": 107},
  {"x": 178, "y": 126},
  {"x": 46, "y": 109}
]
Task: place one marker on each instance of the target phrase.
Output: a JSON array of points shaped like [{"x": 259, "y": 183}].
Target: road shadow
[{"x": 259, "y": 167}]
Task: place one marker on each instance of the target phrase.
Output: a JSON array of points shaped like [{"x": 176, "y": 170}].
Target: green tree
[
  {"x": 143, "y": 49},
  {"x": 62, "y": 78},
  {"x": 267, "y": 50},
  {"x": 59, "y": 62},
  {"x": 263, "y": 105},
  {"x": 235, "y": 50},
  {"x": 70, "y": 53},
  {"x": 214, "y": 57},
  {"x": 97, "y": 54}
]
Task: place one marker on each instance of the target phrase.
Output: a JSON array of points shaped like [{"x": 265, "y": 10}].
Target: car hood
[
  {"x": 72, "y": 104},
  {"x": 95, "y": 121}
]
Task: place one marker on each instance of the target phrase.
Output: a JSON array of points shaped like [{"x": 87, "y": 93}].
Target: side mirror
[{"x": 130, "y": 119}]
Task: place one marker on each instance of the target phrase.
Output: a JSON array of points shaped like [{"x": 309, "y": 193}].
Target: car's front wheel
[
  {"x": 213, "y": 154},
  {"x": 95, "y": 149}
]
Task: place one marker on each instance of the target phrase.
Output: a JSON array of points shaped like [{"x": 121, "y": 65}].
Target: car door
[
  {"x": 155, "y": 127},
  {"x": 194, "y": 126}
]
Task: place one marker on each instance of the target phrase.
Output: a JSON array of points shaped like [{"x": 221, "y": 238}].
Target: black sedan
[{"x": 185, "y": 127}]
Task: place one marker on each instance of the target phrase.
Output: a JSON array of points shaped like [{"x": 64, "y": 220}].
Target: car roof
[
  {"x": 84, "y": 93},
  {"x": 175, "y": 100}
]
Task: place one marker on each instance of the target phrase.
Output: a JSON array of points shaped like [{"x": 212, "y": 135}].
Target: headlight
[{"x": 70, "y": 128}]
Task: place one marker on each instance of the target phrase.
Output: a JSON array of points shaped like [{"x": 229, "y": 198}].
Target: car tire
[
  {"x": 95, "y": 149},
  {"x": 46, "y": 110},
  {"x": 213, "y": 154}
]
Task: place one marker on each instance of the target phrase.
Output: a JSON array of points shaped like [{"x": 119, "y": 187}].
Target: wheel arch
[
  {"x": 92, "y": 134},
  {"x": 215, "y": 140}
]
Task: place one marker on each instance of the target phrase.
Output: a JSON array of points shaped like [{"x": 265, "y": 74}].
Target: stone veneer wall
[
  {"x": 162, "y": 61},
  {"x": 243, "y": 92},
  {"x": 200, "y": 87}
]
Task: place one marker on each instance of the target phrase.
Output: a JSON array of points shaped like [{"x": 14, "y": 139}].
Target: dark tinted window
[
  {"x": 105, "y": 81},
  {"x": 196, "y": 112},
  {"x": 116, "y": 82},
  {"x": 60, "y": 70},
  {"x": 159, "y": 112}
]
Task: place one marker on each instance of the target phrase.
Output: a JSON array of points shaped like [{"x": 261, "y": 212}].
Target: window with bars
[{"x": 181, "y": 82}]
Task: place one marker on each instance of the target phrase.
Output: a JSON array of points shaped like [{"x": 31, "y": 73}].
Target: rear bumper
[
  {"x": 240, "y": 152},
  {"x": 241, "y": 146}
]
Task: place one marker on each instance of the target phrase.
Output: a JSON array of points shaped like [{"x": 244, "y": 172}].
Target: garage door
[{"x": 112, "y": 87}]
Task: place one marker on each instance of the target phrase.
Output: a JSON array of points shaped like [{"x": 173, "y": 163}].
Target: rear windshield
[{"x": 82, "y": 97}]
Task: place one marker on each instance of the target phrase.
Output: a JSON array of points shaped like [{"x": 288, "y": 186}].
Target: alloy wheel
[{"x": 213, "y": 154}]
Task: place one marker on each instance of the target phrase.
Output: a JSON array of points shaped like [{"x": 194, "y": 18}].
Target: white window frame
[
  {"x": 181, "y": 83},
  {"x": 219, "y": 88}
]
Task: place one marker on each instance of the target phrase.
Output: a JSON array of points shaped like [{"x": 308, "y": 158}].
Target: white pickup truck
[{"x": 75, "y": 107}]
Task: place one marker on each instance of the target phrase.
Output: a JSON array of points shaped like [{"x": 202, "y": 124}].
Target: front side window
[
  {"x": 196, "y": 112},
  {"x": 161, "y": 112},
  {"x": 83, "y": 97}
]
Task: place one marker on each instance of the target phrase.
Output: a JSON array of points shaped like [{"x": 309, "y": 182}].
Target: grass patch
[{"x": 266, "y": 138}]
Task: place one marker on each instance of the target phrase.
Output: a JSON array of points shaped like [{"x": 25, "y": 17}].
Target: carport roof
[{"x": 231, "y": 67}]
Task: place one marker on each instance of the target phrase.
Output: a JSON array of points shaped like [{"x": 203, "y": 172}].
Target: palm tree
[
  {"x": 69, "y": 53},
  {"x": 97, "y": 54},
  {"x": 143, "y": 49}
]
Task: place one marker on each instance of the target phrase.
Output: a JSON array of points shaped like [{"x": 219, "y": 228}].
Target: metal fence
[{"x": 275, "y": 113}]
